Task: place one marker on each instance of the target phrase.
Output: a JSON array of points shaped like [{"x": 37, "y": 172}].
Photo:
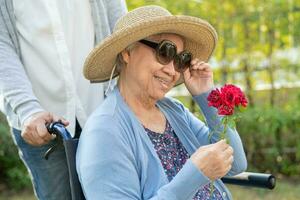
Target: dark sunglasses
[{"x": 166, "y": 51}]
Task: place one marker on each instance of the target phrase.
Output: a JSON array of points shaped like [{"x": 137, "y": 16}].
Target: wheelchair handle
[
  {"x": 59, "y": 130},
  {"x": 260, "y": 180}
]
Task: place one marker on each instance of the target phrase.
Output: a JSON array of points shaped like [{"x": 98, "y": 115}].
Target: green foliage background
[{"x": 12, "y": 171}]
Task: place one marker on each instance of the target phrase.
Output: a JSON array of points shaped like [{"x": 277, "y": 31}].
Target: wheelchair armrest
[{"x": 251, "y": 179}]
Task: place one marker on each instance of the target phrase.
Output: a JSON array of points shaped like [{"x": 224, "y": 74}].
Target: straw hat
[{"x": 200, "y": 38}]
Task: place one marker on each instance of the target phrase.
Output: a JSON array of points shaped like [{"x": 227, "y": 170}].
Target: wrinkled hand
[
  {"x": 34, "y": 130},
  {"x": 214, "y": 160},
  {"x": 198, "y": 78}
]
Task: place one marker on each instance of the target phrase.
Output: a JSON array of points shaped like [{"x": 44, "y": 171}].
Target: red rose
[
  {"x": 228, "y": 96},
  {"x": 226, "y": 99},
  {"x": 225, "y": 110},
  {"x": 242, "y": 100},
  {"x": 233, "y": 95},
  {"x": 214, "y": 98}
]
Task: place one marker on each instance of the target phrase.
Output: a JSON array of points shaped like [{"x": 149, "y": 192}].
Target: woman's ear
[{"x": 125, "y": 55}]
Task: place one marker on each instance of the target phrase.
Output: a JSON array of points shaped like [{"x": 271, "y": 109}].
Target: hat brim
[{"x": 199, "y": 36}]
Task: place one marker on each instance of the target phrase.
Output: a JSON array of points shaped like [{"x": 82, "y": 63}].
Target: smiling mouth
[{"x": 164, "y": 82}]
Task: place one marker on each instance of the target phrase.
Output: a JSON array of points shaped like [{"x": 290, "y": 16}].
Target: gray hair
[{"x": 119, "y": 60}]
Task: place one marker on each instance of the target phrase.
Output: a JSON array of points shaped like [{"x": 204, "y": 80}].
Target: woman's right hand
[{"x": 214, "y": 160}]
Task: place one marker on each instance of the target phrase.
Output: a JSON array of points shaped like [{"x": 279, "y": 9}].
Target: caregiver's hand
[
  {"x": 34, "y": 130},
  {"x": 214, "y": 160}
]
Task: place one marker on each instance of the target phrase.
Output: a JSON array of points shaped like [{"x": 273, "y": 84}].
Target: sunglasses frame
[{"x": 178, "y": 62}]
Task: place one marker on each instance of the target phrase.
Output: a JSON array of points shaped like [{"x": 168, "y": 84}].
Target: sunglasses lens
[
  {"x": 182, "y": 61},
  {"x": 166, "y": 52}
]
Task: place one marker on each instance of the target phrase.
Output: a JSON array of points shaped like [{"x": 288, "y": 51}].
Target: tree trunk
[
  {"x": 246, "y": 67},
  {"x": 270, "y": 70}
]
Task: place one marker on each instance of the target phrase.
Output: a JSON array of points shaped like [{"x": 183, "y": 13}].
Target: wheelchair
[{"x": 248, "y": 179}]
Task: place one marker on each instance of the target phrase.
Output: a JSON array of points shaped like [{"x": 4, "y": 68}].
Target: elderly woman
[{"x": 140, "y": 144}]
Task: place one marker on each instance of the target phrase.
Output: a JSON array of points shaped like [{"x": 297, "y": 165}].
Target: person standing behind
[{"x": 43, "y": 45}]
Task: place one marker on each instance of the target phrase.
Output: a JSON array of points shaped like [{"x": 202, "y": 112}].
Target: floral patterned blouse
[{"x": 173, "y": 155}]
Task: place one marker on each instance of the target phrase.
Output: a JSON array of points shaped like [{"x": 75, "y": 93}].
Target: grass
[
  {"x": 26, "y": 194},
  {"x": 284, "y": 190}
]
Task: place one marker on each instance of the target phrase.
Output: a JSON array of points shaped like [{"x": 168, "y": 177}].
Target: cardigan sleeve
[
  {"x": 107, "y": 167},
  {"x": 213, "y": 125}
]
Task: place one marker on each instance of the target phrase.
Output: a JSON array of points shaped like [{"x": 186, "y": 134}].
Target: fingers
[
  {"x": 31, "y": 136},
  {"x": 224, "y": 151},
  {"x": 43, "y": 134},
  {"x": 222, "y": 145},
  {"x": 228, "y": 151},
  {"x": 217, "y": 156},
  {"x": 27, "y": 136},
  {"x": 60, "y": 119},
  {"x": 34, "y": 129},
  {"x": 47, "y": 117},
  {"x": 228, "y": 158},
  {"x": 186, "y": 74},
  {"x": 227, "y": 170},
  {"x": 64, "y": 121},
  {"x": 197, "y": 64}
]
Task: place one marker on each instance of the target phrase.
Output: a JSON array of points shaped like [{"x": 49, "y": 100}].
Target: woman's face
[{"x": 145, "y": 75}]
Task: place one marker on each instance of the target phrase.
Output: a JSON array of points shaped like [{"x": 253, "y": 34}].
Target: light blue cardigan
[{"x": 116, "y": 159}]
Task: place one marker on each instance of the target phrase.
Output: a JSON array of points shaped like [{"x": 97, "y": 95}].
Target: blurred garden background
[{"x": 258, "y": 50}]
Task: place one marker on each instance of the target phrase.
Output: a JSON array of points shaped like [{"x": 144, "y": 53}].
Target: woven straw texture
[{"x": 200, "y": 38}]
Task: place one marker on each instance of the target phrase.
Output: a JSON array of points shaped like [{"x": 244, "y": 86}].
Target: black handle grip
[
  {"x": 62, "y": 134},
  {"x": 59, "y": 129},
  {"x": 252, "y": 179}
]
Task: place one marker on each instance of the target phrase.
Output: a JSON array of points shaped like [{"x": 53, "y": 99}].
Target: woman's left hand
[{"x": 199, "y": 77}]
